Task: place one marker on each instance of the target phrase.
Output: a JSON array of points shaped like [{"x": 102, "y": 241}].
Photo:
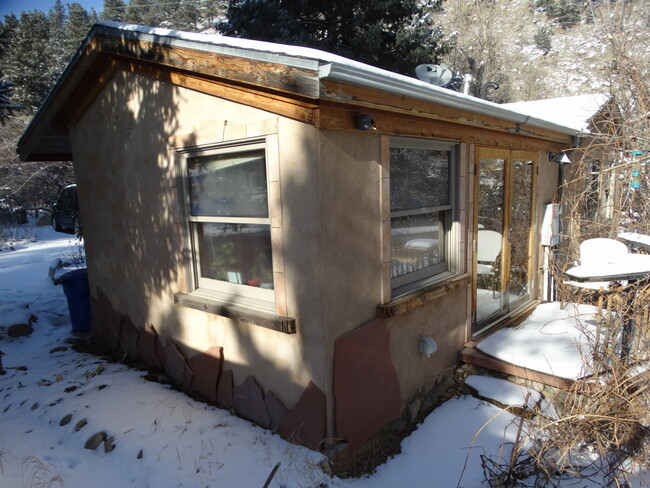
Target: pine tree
[
  {"x": 56, "y": 51},
  {"x": 113, "y": 10},
  {"x": 143, "y": 12},
  {"x": 77, "y": 27},
  {"x": 393, "y": 34},
  {"x": 27, "y": 63},
  {"x": 186, "y": 16},
  {"x": 211, "y": 10}
]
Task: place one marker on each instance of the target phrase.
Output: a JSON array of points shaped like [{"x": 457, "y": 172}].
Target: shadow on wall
[
  {"x": 203, "y": 374},
  {"x": 127, "y": 183}
]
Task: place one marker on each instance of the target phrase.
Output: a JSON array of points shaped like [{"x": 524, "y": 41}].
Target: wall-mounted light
[
  {"x": 562, "y": 157},
  {"x": 428, "y": 346},
  {"x": 364, "y": 122}
]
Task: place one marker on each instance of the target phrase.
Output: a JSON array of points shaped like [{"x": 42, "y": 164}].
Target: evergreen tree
[
  {"x": 186, "y": 16},
  {"x": 142, "y": 12},
  {"x": 211, "y": 10},
  {"x": 113, "y": 10},
  {"x": 56, "y": 51},
  {"x": 27, "y": 63},
  {"x": 76, "y": 29},
  {"x": 393, "y": 34}
]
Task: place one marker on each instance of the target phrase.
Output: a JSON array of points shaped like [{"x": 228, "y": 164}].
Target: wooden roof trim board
[
  {"x": 281, "y": 77},
  {"x": 301, "y": 83}
]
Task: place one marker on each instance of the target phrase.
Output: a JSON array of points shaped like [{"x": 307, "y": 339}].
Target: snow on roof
[
  {"x": 575, "y": 111},
  {"x": 335, "y": 67}
]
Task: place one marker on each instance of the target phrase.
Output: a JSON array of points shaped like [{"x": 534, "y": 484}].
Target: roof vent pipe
[{"x": 467, "y": 81}]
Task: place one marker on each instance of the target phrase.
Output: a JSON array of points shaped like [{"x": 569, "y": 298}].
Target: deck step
[
  {"x": 477, "y": 358},
  {"x": 504, "y": 393}
]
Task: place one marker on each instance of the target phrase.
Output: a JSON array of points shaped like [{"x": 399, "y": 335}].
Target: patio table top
[{"x": 620, "y": 268}]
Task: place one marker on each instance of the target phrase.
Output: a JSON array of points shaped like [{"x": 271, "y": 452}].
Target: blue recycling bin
[{"x": 77, "y": 292}]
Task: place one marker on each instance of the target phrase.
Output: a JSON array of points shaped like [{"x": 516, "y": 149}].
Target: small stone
[
  {"x": 19, "y": 330},
  {"x": 35, "y": 406},
  {"x": 70, "y": 389},
  {"x": 80, "y": 425},
  {"x": 65, "y": 420},
  {"x": 94, "y": 441},
  {"x": 109, "y": 444},
  {"x": 21, "y": 368},
  {"x": 414, "y": 409},
  {"x": 58, "y": 349},
  {"x": 139, "y": 456}
]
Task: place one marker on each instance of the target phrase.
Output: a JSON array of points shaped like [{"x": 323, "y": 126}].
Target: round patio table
[{"x": 626, "y": 267}]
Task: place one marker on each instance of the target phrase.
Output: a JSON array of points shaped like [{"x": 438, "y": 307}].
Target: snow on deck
[{"x": 550, "y": 340}]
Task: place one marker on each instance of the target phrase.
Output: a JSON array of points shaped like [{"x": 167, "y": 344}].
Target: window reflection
[{"x": 237, "y": 253}]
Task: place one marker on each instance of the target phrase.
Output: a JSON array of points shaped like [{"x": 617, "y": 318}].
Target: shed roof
[
  {"x": 307, "y": 74},
  {"x": 575, "y": 111}
]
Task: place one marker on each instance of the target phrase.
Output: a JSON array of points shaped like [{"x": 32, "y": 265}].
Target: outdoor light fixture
[
  {"x": 428, "y": 346},
  {"x": 562, "y": 157},
  {"x": 364, "y": 122}
]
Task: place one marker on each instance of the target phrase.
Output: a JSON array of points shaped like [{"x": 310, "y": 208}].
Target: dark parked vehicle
[{"x": 65, "y": 211}]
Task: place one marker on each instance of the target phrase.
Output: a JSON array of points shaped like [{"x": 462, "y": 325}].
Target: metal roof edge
[
  {"x": 207, "y": 43},
  {"x": 325, "y": 65},
  {"x": 414, "y": 88}
]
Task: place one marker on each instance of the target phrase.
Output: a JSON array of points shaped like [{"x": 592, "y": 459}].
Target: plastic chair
[{"x": 488, "y": 253}]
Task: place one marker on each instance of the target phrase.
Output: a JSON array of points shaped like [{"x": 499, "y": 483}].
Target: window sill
[
  {"x": 421, "y": 297},
  {"x": 261, "y": 318}
]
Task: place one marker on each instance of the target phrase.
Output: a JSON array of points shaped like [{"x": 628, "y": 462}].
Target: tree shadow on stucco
[{"x": 126, "y": 172}]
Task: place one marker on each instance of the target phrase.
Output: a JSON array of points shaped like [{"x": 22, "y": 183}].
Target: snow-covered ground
[{"x": 54, "y": 400}]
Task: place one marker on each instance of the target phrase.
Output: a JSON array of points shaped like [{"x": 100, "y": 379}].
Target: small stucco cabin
[{"x": 300, "y": 237}]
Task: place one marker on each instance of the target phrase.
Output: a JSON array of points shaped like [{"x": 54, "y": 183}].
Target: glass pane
[
  {"x": 489, "y": 298},
  {"x": 416, "y": 242},
  {"x": 418, "y": 178},
  {"x": 228, "y": 185},
  {"x": 237, "y": 253},
  {"x": 522, "y": 179}
]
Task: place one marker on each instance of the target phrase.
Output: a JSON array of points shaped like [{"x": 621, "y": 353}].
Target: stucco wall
[
  {"x": 351, "y": 254},
  {"x": 328, "y": 212},
  {"x": 124, "y": 161}
]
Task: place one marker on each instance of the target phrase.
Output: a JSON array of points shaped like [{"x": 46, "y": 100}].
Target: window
[
  {"x": 229, "y": 228},
  {"x": 421, "y": 211}
]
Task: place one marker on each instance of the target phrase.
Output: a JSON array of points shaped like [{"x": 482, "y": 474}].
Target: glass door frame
[{"x": 509, "y": 157}]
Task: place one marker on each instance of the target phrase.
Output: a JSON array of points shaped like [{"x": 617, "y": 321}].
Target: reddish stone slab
[
  {"x": 174, "y": 363},
  {"x": 248, "y": 400},
  {"x": 224, "y": 390},
  {"x": 148, "y": 345},
  {"x": 366, "y": 387},
  {"x": 305, "y": 423},
  {"x": 276, "y": 409},
  {"x": 207, "y": 368},
  {"x": 129, "y": 338}
]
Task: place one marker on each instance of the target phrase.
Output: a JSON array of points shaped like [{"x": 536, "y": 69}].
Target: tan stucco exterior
[{"x": 128, "y": 110}]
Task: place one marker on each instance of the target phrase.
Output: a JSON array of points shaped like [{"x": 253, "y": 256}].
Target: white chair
[{"x": 488, "y": 250}]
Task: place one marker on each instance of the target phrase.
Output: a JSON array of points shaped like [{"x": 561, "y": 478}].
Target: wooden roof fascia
[
  {"x": 85, "y": 92},
  {"x": 341, "y": 116},
  {"x": 288, "y": 79},
  {"x": 61, "y": 94},
  {"x": 297, "y": 108},
  {"x": 366, "y": 98}
]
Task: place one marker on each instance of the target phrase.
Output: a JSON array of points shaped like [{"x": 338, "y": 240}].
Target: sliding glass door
[{"x": 503, "y": 222}]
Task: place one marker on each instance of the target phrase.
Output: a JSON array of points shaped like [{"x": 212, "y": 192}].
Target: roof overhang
[{"x": 305, "y": 76}]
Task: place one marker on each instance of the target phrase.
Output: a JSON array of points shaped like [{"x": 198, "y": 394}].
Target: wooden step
[{"x": 478, "y": 358}]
